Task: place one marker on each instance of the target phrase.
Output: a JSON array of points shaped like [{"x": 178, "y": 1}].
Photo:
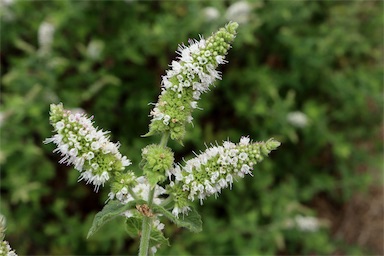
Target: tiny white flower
[
  {"x": 245, "y": 169},
  {"x": 244, "y": 141},
  {"x": 111, "y": 195},
  {"x": 64, "y": 148},
  {"x": 125, "y": 161},
  {"x": 124, "y": 191},
  {"x": 95, "y": 145},
  {"x": 88, "y": 137},
  {"x": 73, "y": 152},
  {"x": 59, "y": 125},
  {"x": 90, "y": 155},
  {"x": 243, "y": 156},
  {"x": 189, "y": 179},
  {"x": 220, "y": 59},
  {"x": 194, "y": 104}
]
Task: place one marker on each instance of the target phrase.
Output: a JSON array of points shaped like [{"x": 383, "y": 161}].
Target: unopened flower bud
[{"x": 156, "y": 161}]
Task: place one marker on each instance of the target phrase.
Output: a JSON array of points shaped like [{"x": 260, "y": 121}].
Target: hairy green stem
[
  {"x": 146, "y": 228},
  {"x": 164, "y": 139},
  {"x": 147, "y": 220},
  {"x": 167, "y": 201}
]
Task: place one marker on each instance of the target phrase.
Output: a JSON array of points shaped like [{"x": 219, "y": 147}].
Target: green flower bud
[{"x": 156, "y": 160}]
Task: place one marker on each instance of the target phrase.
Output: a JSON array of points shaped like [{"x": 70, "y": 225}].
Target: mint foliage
[
  {"x": 308, "y": 57},
  {"x": 133, "y": 226},
  {"x": 192, "y": 221},
  {"x": 110, "y": 211}
]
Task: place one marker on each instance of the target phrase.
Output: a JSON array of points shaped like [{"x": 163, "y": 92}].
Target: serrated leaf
[
  {"x": 133, "y": 226},
  {"x": 157, "y": 237},
  {"x": 192, "y": 221},
  {"x": 110, "y": 211}
]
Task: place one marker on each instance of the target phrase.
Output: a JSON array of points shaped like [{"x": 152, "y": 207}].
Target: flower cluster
[
  {"x": 87, "y": 148},
  {"x": 189, "y": 77},
  {"x": 216, "y": 168}
]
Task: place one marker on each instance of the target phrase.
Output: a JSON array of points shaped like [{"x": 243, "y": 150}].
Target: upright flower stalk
[
  {"x": 165, "y": 188},
  {"x": 189, "y": 77},
  {"x": 215, "y": 169},
  {"x": 159, "y": 164},
  {"x": 88, "y": 149}
]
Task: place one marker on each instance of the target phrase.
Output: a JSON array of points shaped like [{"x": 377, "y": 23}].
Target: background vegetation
[{"x": 308, "y": 73}]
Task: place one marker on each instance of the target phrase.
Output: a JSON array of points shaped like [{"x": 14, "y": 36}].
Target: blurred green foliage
[{"x": 321, "y": 58}]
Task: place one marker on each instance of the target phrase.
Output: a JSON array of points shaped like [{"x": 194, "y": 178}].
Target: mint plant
[{"x": 164, "y": 189}]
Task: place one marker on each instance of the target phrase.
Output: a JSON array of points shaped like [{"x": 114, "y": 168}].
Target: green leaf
[
  {"x": 192, "y": 221},
  {"x": 157, "y": 237},
  {"x": 110, "y": 211},
  {"x": 133, "y": 226}
]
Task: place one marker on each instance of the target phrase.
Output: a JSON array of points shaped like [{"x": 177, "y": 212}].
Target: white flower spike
[
  {"x": 190, "y": 76},
  {"x": 215, "y": 169},
  {"x": 88, "y": 149}
]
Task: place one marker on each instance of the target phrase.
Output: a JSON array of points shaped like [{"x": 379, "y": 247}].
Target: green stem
[
  {"x": 146, "y": 228},
  {"x": 167, "y": 201},
  {"x": 147, "y": 220},
  {"x": 164, "y": 139}
]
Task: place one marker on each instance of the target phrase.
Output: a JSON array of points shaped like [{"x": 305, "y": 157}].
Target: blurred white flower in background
[
  {"x": 210, "y": 13},
  {"x": 5, "y": 6},
  {"x": 7, "y": 2},
  {"x": 239, "y": 12},
  {"x": 45, "y": 37},
  {"x": 94, "y": 49},
  {"x": 297, "y": 119},
  {"x": 307, "y": 223},
  {"x": 2, "y": 118}
]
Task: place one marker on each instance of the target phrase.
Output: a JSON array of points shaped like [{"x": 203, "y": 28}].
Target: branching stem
[{"x": 147, "y": 220}]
